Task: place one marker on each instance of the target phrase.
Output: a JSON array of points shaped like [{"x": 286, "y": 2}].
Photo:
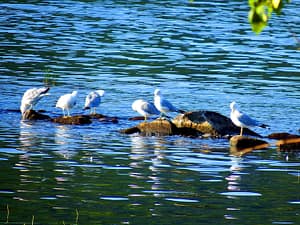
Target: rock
[
  {"x": 208, "y": 122},
  {"x": 282, "y": 135},
  {"x": 160, "y": 127},
  {"x": 34, "y": 115},
  {"x": 136, "y": 118},
  {"x": 131, "y": 130},
  {"x": 286, "y": 141},
  {"x": 74, "y": 120},
  {"x": 240, "y": 145},
  {"x": 103, "y": 118},
  {"x": 290, "y": 144}
]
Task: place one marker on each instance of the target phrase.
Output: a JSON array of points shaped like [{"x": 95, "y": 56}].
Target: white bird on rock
[
  {"x": 144, "y": 108},
  {"x": 31, "y": 98},
  {"x": 242, "y": 120},
  {"x": 67, "y": 102},
  {"x": 93, "y": 100},
  {"x": 164, "y": 105}
]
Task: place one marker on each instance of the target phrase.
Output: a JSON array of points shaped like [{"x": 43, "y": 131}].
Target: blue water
[{"x": 202, "y": 55}]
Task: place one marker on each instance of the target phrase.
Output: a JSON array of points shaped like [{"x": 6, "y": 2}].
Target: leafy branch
[{"x": 261, "y": 11}]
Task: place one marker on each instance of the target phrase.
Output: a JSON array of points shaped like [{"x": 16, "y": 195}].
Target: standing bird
[
  {"x": 31, "y": 98},
  {"x": 67, "y": 102},
  {"x": 144, "y": 108},
  {"x": 243, "y": 120},
  {"x": 93, "y": 100},
  {"x": 164, "y": 105}
]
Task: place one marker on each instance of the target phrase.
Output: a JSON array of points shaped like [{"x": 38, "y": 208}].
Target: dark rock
[
  {"x": 290, "y": 144},
  {"x": 34, "y": 115},
  {"x": 240, "y": 145},
  {"x": 282, "y": 135},
  {"x": 208, "y": 122},
  {"x": 136, "y": 118},
  {"x": 131, "y": 130},
  {"x": 103, "y": 118},
  {"x": 286, "y": 141},
  {"x": 74, "y": 120}
]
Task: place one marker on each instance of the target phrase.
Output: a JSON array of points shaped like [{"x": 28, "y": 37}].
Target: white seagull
[
  {"x": 67, "y": 102},
  {"x": 243, "y": 120},
  {"x": 144, "y": 108},
  {"x": 31, "y": 98},
  {"x": 93, "y": 100},
  {"x": 164, "y": 105}
]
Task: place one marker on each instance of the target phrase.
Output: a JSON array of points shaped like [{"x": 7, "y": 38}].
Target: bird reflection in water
[{"x": 146, "y": 152}]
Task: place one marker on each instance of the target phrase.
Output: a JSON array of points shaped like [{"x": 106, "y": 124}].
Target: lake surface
[{"x": 202, "y": 55}]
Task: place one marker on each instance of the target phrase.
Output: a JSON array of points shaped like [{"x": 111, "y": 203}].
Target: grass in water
[
  {"x": 49, "y": 78},
  {"x": 33, "y": 218},
  {"x": 7, "y": 214}
]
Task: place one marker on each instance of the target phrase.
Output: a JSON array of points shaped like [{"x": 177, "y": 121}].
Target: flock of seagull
[{"x": 160, "y": 107}]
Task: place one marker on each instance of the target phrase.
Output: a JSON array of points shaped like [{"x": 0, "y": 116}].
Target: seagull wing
[
  {"x": 246, "y": 120},
  {"x": 150, "y": 109}
]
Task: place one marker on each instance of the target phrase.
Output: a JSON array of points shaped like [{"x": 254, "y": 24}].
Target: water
[{"x": 202, "y": 55}]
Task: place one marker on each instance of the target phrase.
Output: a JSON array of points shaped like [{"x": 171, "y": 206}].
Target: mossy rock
[
  {"x": 240, "y": 145},
  {"x": 34, "y": 115},
  {"x": 73, "y": 120},
  {"x": 208, "y": 122}
]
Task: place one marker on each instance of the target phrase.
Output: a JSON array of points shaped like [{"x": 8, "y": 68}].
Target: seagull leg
[
  {"x": 64, "y": 112},
  {"x": 145, "y": 118},
  {"x": 241, "y": 133}
]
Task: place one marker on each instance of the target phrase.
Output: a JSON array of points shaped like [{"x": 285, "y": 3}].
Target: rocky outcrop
[
  {"x": 197, "y": 123},
  {"x": 208, "y": 122},
  {"x": 240, "y": 145}
]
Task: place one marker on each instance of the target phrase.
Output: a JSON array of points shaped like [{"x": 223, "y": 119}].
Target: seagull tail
[
  {"x": 181, "y": 111},
  {"x": 264, "y": 126},
  {"x": 46, "y": 90},
  {"x": 87, "y": 107}
]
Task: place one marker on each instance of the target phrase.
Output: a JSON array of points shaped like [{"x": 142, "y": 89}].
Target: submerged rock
[
  {"x": 286, "y": 141},
  {"x": 34, "y": 115},
  {"x": 103, "y": 118},
  {"x": 209, "y": 122},
  {"x": 74, "y": 120},
  {"x": 240, "y": 145}
]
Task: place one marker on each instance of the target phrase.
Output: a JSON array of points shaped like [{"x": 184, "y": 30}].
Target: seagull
[
  {"x": 93, "y": 100},
  {"x": 67, "y": 102},
  {"x": 144, "y": 108},
  {"x": 243, "y": 120},
  {"x": 31, "y": 98},
  {"x": 163, "y": 105}
]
